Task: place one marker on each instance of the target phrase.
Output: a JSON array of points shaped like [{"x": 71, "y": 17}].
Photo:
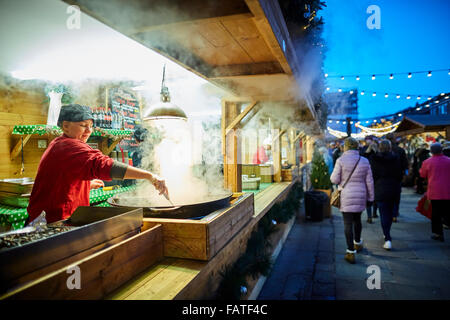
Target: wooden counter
[{"x": 174, "y": 278}]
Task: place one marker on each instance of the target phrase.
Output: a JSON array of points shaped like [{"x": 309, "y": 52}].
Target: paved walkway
[{"x": 311, "y": 265}]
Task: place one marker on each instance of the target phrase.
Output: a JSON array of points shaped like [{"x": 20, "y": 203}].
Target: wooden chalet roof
[
  {"x": 242, "y": 46},
  {"x": 423, "y": 123}
]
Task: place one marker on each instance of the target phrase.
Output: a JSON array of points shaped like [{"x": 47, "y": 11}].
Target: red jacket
[
  {"x": 63, "y": 179},
  {"x": 437, "y": 170}
]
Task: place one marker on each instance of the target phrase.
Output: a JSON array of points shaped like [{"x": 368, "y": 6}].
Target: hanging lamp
[{"x": 165, "y": 109}]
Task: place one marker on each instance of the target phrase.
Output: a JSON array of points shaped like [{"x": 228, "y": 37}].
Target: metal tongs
[{"x": 166, "y": 195}]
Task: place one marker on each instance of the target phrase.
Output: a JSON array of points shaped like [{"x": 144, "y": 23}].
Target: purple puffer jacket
[{"x": 359, "y": 188}]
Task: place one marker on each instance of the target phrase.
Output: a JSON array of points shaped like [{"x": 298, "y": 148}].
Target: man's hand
[
  {"x": 96, "y": 183},
  {"x": 160, "y": 185}
]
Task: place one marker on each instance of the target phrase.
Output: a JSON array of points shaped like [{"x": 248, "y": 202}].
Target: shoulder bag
[{"x": 336, "y": 195}]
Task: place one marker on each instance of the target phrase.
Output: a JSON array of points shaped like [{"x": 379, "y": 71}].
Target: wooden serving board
[{"x": 202, "y": 239}]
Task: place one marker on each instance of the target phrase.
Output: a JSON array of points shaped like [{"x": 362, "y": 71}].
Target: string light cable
[
  {"x": 390, "y": 76},
  {"x": 395, "y": 125}
]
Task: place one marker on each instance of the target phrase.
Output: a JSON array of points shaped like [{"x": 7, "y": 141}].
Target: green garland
[
  {"x": 257, "y": 258},
  {"x": 41, "y": 129}
]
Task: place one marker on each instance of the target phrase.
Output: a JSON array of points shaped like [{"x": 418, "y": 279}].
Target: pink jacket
[
  {"x": 359, "y": 188},
  {"x": 437, "y": 171}
]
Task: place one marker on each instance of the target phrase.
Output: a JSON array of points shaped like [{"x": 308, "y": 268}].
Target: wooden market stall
[
  {"x": 244, "y": 47},
  {"x": 419, "y": 124}
]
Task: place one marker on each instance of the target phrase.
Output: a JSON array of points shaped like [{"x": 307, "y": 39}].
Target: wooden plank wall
[{"x": 20, "y": 107}]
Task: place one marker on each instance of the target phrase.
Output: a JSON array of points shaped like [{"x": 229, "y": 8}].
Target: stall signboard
[{"x": 125, "y": 103}]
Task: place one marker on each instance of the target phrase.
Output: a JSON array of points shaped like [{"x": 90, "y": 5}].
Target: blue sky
[{"x": 414, "y": 36}]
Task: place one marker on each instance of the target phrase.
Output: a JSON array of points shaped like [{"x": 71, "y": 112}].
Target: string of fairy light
[
  {"x": 396, "y": 95},
  {"x": 390, "y": 76},
  {"x": 430, "y": 103},
  {"x": 389, "y": 127}
]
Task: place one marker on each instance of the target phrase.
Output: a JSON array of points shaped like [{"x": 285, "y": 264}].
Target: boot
[
  {"x": 438, "y": 237},
  {"x": 358, "y": 245},
  {"x": 369, "y": 220},
  {"x": 350, "y": 256}
]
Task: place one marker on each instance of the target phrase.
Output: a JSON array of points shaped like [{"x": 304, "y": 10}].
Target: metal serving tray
[
  {"x": 91, "y": 226},
  {"x": 18, "y": 186}
]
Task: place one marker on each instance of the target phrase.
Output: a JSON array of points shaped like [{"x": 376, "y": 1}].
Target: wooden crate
[
  {"x": 202, "y": 239},
  {"x": 101, "y": 272},
  {"x": 289, "y": 174}
]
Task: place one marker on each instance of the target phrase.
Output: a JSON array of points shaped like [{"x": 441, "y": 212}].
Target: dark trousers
[
  {"x": 352, "y": 221},
  {"x": 371, "y": 209},
  {"x": 439, "y": 211},
  {"x": 420, "y": 183},
  {"x": 397, "y": 206},
  {"x": 386, "y": 213}
]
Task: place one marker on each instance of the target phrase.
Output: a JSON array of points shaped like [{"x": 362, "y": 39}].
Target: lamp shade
[{"x": 164, "y": 110}]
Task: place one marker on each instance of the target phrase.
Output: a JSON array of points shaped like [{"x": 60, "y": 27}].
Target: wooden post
[
  {"x": 276, "y": 154},
  {"x": 231, "y": 147},
  {"x": 292, "y": 148}
]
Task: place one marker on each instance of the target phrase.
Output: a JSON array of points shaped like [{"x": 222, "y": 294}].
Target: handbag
[
  {"x": 424, "y": 207},
  {"x": 335, "y": 200}
]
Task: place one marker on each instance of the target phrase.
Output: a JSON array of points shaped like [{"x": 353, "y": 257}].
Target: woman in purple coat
[{"x": 357, "y": 192}]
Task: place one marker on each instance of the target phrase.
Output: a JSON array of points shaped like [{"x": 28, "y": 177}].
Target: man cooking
[
  {"x": 262, "y": 154},
  {"x": 70, "y": 168}
]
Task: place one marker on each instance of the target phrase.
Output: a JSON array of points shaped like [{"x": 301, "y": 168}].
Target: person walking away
[
  {"x": 328, "y": 160},
  {"x": 354, "y": 172},
  {"x": 372, "y": 148},
  {"x": 336, "y": 152},
  {"x": 446, "y": 148},
  {"x": 420, "y": 156},
  {"x": 400, "y": 152},
  {"x": 387, "y": 177},
  {"x": 140, "y": 134},
  {"x": 437, "y": 172}
]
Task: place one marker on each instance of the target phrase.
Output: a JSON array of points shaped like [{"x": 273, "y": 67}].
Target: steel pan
[{"x": 179, "y": 211}]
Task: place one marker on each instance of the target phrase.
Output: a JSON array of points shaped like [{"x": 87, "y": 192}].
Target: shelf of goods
[{"x": 27, "y": 131}]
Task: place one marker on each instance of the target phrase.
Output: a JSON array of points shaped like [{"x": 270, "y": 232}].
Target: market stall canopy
[
  {"x": 414, "y": 124},
  {"x": 242, "y": 46}
]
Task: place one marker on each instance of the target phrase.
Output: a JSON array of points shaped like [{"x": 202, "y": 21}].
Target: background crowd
[{"x": 374, "y": 171}]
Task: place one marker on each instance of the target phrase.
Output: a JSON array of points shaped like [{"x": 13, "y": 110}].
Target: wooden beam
[
  {"x": 241, "y": 116},
  {"x": 18, "y": 147},
  {"x": 278, "y": 136},
  {"x": 272, "y": 67},
  {"x": 231, "y": 148},
  {"x": 109, "y": 149},
  {"x": 276, "y": 156},
  {"x": 264, "y": 27},
  {"x": 292, "y": 148},
  {"x": 150, "y": 28},
  {"x": 300, "y": 135}
]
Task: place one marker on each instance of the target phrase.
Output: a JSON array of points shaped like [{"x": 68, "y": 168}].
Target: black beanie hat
[{"x": 74, "y": 113}]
